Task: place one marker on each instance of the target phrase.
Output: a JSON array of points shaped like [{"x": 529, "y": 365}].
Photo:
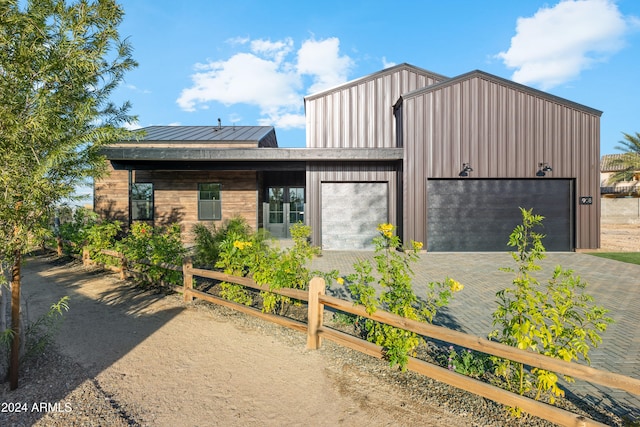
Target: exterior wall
[
  {"x": 503, "y": 130},
  {"x": 360, "y": 114},
  {"x": 623, "y": 210},
  {"x": 317, "y": 173},
  {"x": 176, "y": 196}
]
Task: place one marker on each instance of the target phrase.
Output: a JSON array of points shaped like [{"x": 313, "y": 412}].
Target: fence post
[
  {"x": 187, "y": 279},
  {"x": 59, "y": 245},
  {"x": 85, "y": 256},
  {"x": 317, "y": 287},
  {"x": 123, "y": 267}
]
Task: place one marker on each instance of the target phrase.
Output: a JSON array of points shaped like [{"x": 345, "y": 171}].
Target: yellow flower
[
  {"x": 455, "y": 285},
  {"x": 241, "y": 245},
  {"x": 417, "y": 245},
  {"x": 340, "y": 281},
  {"x": 386, "y": 229}
]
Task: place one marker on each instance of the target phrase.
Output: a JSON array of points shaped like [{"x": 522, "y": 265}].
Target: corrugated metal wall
[
  {"x": 360, "y": 114},
  {"x": 347, "y": 172},
  {"x": 502, "y": 130}
]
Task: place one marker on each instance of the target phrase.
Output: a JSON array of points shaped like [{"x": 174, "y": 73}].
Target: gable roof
[
  {"x": 378, "y": 74},
  {"x": 501, "y": 81}
]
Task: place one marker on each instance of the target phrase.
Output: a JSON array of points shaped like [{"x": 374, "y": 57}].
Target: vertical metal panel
[
  {"x": 347, "y": 172},
  {"x": 360, "y": 114},
  {"x": 504, "y": 131}
]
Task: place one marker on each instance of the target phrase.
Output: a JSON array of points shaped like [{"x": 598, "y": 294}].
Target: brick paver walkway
[{"x": 614, "y": 285}]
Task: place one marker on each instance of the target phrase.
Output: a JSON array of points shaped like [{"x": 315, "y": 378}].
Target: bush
[
  {"x": 74, "y": 227},
  {"x": 156, "y": 245},
  {"x": 557, "y": 319},
  {"x": 102, "y": 236},
  {"x": 395, "y": 275},
  {"x": 209, "y": 238}
]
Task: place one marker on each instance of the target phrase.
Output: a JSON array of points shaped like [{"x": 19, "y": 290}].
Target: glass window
[
  {"x": 209, "y": 203},
  {"x": 142, "y": 201},
  {"x": 296, "y": 205},
  {"x": 276, "y": 205}
]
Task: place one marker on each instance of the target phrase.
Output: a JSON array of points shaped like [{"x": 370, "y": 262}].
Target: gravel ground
[{"x": 408, "y": 396}]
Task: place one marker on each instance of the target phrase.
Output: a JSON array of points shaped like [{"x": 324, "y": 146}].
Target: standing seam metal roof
[{"x": 206, "y": 133}]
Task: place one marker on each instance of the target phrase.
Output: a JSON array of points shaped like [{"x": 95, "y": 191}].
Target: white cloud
[
  {"x": 269, "y": 76},
  {"x": 322, "y": 60},
  {"x": 557, "y": 43},
  {"x": 387, "y": 64}
]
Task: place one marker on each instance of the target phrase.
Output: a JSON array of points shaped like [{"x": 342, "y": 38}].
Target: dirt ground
[
  {"x": 157, "y": 361},
  {"x": 620, "y": 237},
  {"x": 126, "y": 357}
]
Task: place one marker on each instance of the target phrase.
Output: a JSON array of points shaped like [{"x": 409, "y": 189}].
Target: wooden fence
[{"x": 316, "y": 330}]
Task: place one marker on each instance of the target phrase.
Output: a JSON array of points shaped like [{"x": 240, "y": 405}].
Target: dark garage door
[{"x": 479, "y": 214}]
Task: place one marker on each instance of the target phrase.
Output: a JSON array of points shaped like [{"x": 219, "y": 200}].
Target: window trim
[
  {"x": 150, "y": 201},
  {"x": 216, "y": 203}
]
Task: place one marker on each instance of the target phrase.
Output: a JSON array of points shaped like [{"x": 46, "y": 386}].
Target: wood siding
[
  {"x": 503, "y": 131},
  {"x": 359, "y": 114},
  {"x": 176, "y": 196},
  {"x": 317, "y": 173}
]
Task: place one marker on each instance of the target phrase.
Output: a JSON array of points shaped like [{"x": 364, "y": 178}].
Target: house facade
[{"x": 449, "y": 161}]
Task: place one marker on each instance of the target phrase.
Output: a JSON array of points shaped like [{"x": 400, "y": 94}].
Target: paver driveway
[{"x": 614, "y": 285}]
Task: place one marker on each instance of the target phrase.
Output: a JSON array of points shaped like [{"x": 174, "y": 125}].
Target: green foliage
[
  {"x": 557, "y": 319},
  {"x": 40, "y": 334},
  {"x": 285, "y": 269},
  {"x": 237, "y": 255},
  {"x": 156, "y": 245},
  {"x": 630, "y": 257},
  {"x": 209, "y": 238},
  {"x": 397, "y": 296},
  {"x": 629, "y": 161},
  {"x": 468, "y": 362},
  {"x": 246, "y": 254},
  {"x": 100, "y": 236},
  {"x": 74, "y": 228},
  {"x": 60, "y": 62}
]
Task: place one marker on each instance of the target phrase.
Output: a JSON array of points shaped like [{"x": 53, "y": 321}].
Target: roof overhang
[{"x": 183, "y": 154}]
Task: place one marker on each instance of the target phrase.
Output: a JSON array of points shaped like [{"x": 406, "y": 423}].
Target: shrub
[
  {"x": 209, "y": 238},
  {"x": 157, "y": 245},
  {"x": 74, "y": 227},
  {"x": 285, "y": 269},
  {"x": 102, "y": 236},
  {"x": 557, "y": 319},
  {"x": 397, "y": 296}
]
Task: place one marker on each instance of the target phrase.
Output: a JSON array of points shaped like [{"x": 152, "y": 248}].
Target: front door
[{"x": 285, "y": 207}]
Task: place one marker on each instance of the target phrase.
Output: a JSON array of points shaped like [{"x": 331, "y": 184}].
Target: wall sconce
[
  {"x": 466, "y": 168},
  {"x": 543, "y": 168}
]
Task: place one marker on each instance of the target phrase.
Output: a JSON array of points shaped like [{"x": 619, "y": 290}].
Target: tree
[
  {"x": 629, "y": 161},
  {"x": 59, "y": 63}
]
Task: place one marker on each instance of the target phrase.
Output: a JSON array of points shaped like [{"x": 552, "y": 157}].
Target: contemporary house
[{"x": 449, "y": 161}]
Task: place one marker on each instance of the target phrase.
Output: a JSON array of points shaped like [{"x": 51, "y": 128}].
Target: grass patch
[{"x": 630, "y": 257}]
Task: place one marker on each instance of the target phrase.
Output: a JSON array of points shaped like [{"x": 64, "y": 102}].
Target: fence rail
[{"x": 316, "y": 330}]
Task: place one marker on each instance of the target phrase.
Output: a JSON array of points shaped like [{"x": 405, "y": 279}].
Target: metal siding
[
  {"x": 346, "y": 172},
  {"x": 503, "y": 132},
  {"x": 359, "y": 115}
]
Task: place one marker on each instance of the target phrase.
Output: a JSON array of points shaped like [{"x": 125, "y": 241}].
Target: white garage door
[{"x": 351, "y": 212}]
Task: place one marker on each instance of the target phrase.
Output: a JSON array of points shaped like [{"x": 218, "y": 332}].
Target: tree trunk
[{"x": 14, "y": 363}]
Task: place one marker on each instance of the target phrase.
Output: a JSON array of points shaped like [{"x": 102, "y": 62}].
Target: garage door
[
  {"x": 479, "y": 214},
  {"x": 351, "y": 212}
]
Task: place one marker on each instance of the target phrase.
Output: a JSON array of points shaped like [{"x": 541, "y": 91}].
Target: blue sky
[{"x": 252, "y": 62}]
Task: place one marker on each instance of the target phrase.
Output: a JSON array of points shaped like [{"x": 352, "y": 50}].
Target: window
[
  {"x": 141, "y": 201},
  {"x": 209, "y": 203}
]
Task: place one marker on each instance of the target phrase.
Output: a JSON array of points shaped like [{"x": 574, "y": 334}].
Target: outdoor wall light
[
  {"x": 466, "y": 168},
  {"x": 543, "y": 168}
]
